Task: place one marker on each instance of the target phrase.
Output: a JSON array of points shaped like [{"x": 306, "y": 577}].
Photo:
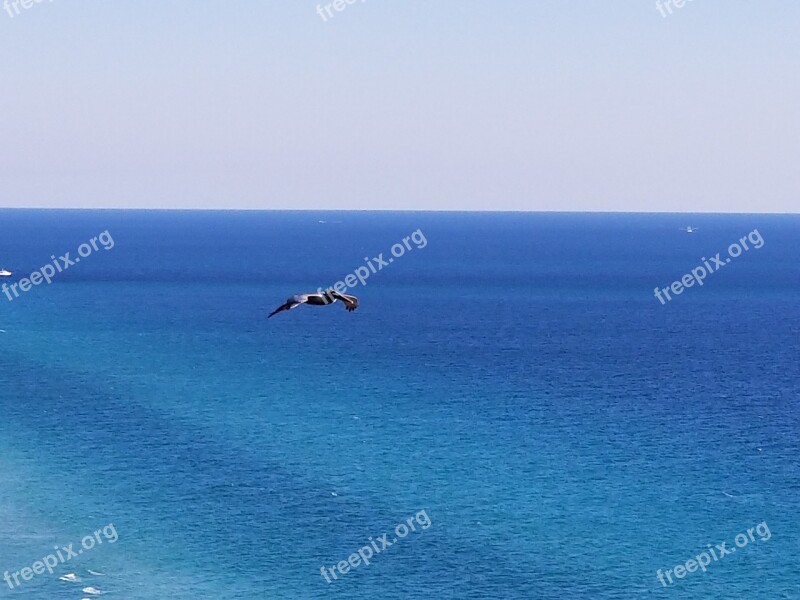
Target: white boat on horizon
[{"x": 5, "y": 273}]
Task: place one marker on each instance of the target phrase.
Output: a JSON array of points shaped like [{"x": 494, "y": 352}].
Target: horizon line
[{"x": 391, "y": 210}]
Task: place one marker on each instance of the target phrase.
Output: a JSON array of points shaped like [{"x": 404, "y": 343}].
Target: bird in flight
[{"x": 317, "y": 299}]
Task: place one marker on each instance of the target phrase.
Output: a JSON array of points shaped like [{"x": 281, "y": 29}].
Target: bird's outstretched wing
[{"x": 290, "y": 304}]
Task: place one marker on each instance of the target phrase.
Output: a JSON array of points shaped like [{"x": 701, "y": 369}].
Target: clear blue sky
[{"x": 390, "y": 104}]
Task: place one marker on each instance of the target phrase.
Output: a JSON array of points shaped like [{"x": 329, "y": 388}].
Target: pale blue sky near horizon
[{"x": 514, "y": 105}]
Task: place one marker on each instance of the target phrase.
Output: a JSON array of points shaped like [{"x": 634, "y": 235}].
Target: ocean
[{"x": 510, "y": 413}]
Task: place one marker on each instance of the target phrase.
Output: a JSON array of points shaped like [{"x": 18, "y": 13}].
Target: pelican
[{"x": 317, "y": 299}]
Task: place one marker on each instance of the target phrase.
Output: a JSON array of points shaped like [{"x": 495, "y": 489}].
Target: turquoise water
[{"x": 514, "y": 377}]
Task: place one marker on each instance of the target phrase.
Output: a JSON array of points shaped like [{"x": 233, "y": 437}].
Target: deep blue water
[{"x": 515, "y": 378}]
